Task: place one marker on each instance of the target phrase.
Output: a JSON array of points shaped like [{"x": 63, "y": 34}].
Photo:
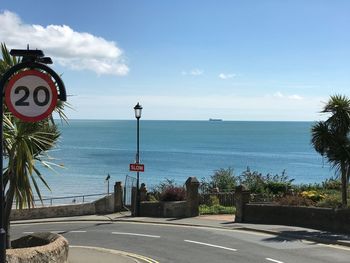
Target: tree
[
  {"x": 331, "y": 139},
  {"x": 223, "y": 180},
  {"x": 25, "y": 145}
]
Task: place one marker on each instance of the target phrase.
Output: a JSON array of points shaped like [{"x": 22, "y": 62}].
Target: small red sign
[{"x": 137, "y": 167}]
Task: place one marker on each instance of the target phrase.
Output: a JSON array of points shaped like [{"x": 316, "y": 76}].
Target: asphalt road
[{"x": 169, "y": 243}]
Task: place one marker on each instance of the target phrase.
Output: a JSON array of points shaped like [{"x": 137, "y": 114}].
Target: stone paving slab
[{"x": 93, "y": 255}]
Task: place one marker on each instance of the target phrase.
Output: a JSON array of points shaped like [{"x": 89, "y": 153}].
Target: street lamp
[
  {"x": 138, "y": 110},
  {"x": 107, "y": 179}
]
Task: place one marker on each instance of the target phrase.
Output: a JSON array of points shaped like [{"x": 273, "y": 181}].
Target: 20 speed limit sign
[{"x": 31, "y": 95}]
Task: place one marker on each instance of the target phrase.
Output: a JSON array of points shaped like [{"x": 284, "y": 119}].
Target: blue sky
[{"x": 190, "y": 60}]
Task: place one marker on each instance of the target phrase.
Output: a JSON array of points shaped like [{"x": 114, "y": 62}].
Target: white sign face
[{"x": 31, "y": 95}]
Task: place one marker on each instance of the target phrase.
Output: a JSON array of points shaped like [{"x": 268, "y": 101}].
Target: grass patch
[{"x": 216, "y": 210}]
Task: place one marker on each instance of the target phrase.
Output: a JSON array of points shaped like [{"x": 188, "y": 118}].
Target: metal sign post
[{"x": 31, "y": 95}]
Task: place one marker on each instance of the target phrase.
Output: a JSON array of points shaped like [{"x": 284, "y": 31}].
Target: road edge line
[{"x": 117, "y": 252}]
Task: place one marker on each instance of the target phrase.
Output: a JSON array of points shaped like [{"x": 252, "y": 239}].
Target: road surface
[{"x": 170, "y": 243}]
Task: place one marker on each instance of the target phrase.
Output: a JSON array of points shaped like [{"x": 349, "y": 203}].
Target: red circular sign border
[{"x": 40, "y": 75}]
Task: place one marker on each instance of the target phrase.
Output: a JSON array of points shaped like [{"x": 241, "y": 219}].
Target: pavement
[{"x": 92, "y": 254}]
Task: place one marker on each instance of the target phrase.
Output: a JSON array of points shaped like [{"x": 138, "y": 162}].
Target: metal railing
[
  {"x": 65, "y": 200},
  {"x": 130, "y": 182},
  {"x": 224, "y": 198}
]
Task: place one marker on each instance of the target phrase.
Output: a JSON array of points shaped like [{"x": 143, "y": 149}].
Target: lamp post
[
  {"x": 107, "y": 179},
  {"x": 138, "y": 110}
]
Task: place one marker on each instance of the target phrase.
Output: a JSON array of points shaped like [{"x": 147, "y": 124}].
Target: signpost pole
[
  {"x": 2, "y": 209},
  {"x": 33, "y": 59}
]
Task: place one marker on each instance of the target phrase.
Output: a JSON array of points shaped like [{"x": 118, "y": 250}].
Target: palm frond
[{"x": 25, "y": 145}]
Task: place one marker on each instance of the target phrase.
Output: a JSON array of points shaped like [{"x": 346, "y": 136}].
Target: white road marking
[
  {"x": 58, "y": 231},
  {"x": 118, "y": 252},
  {"x": 28, "y": 233},
  {"x": 77, "y": 231},
  {"x": 210, "y": 245},
  {"x": 274, "y": 260},
  {"x": 134, "y": 234}
]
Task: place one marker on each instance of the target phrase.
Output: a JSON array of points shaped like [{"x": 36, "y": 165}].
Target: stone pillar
[
  {"x": 133, "y": 200},
  {"x": 192, "y": 196},
  {"x": 241, "y": 198},
  {"x": 118, "y": 197},
  {"x": 143, "y": 192}
]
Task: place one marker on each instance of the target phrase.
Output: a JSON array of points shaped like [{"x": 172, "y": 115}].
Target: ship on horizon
[{"x": 211, "y": 119}]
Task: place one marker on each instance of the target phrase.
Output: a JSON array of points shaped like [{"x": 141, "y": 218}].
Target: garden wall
[
  {"x": 103, "y": 205},
  {"x": 176, "y": 209},
  {"x": 173, "y": 209},
  {"x": 336, "y": 220}
]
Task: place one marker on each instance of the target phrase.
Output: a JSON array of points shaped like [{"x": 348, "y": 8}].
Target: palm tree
[
  {"x": 25, "y": 145},
  {"x": 331, "y": 138}
]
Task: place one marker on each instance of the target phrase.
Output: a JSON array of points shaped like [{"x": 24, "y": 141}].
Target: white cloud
[
  {"x": 76, "y": 50},
  {"x": 295, "y": 97},
  {"x": 226, "y": 76},
  {"x": 278, "y": 94},
  {"x": 196, "y": 72},
  {"x": 193, "y": 72}
]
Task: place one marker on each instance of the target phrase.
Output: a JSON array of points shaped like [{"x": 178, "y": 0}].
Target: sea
[{"x": 90, "y": 150}]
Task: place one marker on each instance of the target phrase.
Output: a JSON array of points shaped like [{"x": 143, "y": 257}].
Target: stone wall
[
  {"x": 328, "y": 219},
  {"x": 173, "y": 209},
  {"x": 55, "y": 250},
  {"x": 176, "y": 209},
  {"x": 103, "y": 205},
  {"x": 336, "y": 220},
  {"x": 53, "y": 211}
]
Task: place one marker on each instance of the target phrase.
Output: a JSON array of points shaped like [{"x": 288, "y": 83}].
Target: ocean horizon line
[{"x": 198, "y": 120}]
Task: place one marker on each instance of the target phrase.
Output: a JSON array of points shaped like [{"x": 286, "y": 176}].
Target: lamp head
[{"x": 138, "y": 110}]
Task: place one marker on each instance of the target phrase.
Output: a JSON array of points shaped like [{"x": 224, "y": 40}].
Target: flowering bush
[
  {"x": 167, "y": 190},
  {"x": 173, "y": 193},
  {"x": 313, "y": 195}
]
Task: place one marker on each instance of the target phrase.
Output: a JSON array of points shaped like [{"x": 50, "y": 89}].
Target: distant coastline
[{"x": 215, "y": 119}]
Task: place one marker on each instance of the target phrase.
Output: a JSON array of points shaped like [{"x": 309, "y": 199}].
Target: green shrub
[
  {"x": 277, "y": 188},
  {"x": 331, "y": 201},
  {"x": 266, "y": 185},
  {"x": 328, "y": 184},
  {"x": 223, "y": 179},
  {"x": 254, "y": 181},
  {"x": 278, "y": 184},
  {"x": 216, "y": 210},
  {"x": 151, "y": 198},
  {"x": 214, "y": 200},
  {"x": 307, "y": 187},
  {"x": 332, "y": 184},
  {"x": 295, "y": 200}
]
